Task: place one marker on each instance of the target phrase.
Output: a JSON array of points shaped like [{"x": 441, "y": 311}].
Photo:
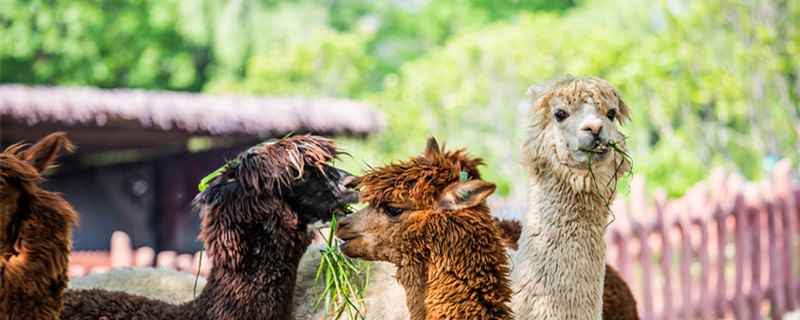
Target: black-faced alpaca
[
  {"x": 35, "y": 233},
  {"x": 427, "y": 215},
  {"x": 255, "y": 228}
]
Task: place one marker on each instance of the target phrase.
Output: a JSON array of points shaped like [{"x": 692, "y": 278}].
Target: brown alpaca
[
  {"x": 428, "y": 216},
  {"x": 35, "y": 232},
  {"x": 618, "y": 301},
  {"x": 255, "y": 228}
]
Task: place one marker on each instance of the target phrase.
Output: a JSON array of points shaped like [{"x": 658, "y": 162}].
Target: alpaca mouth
[
  {"x": 344, "y": 240},
  {"x": 596, "y": 155},
  {"x": 345, "y": 244},
  {"x": 345, "y": 235},
  {"x": 597, "y": 152}
]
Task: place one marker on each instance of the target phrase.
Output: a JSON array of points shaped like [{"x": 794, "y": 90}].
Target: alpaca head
[
  {"x": 405, "y": 198},
  {"x": 21, "y": 169},
  {"x": 277, "y": 187},
  {"x": 574, "y": 126}
]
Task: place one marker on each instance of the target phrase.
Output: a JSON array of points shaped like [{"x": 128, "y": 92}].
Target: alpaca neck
[
  {"x": 413, "y": 279},
  {"x": 451, "y": 282},
  {"x": 560, "y": 264},
  {"x": 439, "y": 293},
  {"x": 35, "y": 279},
  {"x": 262, "y": 285}
]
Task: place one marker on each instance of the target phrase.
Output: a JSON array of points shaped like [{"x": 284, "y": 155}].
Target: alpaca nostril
[{"x": 594, "y": 130}]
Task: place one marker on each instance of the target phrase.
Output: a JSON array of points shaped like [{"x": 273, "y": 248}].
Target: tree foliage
[
  {"x": 710, "y": 82},
  {"x": 106, "y": 43}
]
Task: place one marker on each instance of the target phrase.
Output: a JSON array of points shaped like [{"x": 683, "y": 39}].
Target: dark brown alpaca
[
  {"x": 618, "y": 300},
  {"x": 255, "y": 228},
  {"x": 35, "y": 232},
  {"x": 427, "y": 215}
]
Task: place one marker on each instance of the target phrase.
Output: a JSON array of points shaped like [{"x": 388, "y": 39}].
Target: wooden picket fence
[{"x": 728, "y": 249}]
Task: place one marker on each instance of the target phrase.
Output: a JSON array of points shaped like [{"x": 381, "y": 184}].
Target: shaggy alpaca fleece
[
  {"x": 428, "y": 216},
  {"x": 163, "y": 284},
  {"x": 255, "y": 229},
  {"x": 37, "y": 224},
  {"x": 384, "y": 297},
  {"x": 559, "y": 269}
]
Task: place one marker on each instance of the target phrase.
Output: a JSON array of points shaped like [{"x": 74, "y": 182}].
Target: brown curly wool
[
  {"x": 451, "y": 261},
  {"x": 36, "y": 232},
  {"x": 252, "y": 232},
  {"x": 418, "y": 180}
]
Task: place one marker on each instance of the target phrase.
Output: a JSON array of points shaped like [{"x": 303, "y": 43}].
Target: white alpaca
[{"x": 559, "y": 268}]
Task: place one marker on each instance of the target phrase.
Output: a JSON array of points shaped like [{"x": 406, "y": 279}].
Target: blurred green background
[{"x": 712, "y": 83}]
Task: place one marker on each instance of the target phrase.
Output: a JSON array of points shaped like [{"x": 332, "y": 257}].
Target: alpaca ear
[
  {"x": 44, "y": 153},
  {"x": 463, "y": 195},
  {"x": 624, "y": 111},
  {"x": 432, "y": 149},
  {"x": 537, "y": 90}
]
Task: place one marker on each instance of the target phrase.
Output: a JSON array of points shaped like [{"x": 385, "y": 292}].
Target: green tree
[
  {"x": 106, "y": 44},
  {"x": 706, "y": 89}
]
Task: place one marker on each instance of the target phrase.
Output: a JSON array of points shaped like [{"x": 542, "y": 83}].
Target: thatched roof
[{"x": 187, "y": 112}]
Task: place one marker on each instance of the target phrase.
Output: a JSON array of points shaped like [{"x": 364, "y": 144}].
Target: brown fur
[
  {"x": 35, "y": 231},
  {"x": 618, "y": 301},
  {"x": 255, "y": 230},
  {"x": 447, "y": 249},
  {"x": 509, "y": 232}
]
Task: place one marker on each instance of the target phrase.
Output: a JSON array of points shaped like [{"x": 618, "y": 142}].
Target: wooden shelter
[{"x": 141, "y": 153}]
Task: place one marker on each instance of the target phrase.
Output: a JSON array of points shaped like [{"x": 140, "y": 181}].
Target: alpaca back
[{"x": 163, "y": 284}]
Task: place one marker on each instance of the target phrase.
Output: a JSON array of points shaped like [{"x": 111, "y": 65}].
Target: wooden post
[
  {"x": 646, "y": 260},
  {"x": 685, "y": 229},
  {"x": 775, "y": 272},
  {"x": 663, "y": 228},
  {"x": 721, "y": 218},
  {"x": 706, "y": 307},
  {"x": 782, "y": 190},
  {"x": 756, "y": 292},
  {"x": 741, "y": 253}
]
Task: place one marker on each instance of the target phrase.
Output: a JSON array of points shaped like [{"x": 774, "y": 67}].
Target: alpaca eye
[
  {"x": 561, "y": 115},
  {"x": 612, "y": 114},
  {"x": 393, "y": 212}
]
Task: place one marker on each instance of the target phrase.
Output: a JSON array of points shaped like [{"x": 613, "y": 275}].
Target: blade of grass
[{"x": 343, "y": 285}]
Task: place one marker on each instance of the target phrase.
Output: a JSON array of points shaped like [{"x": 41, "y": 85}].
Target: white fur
[{"x": 559, "y": 268}]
